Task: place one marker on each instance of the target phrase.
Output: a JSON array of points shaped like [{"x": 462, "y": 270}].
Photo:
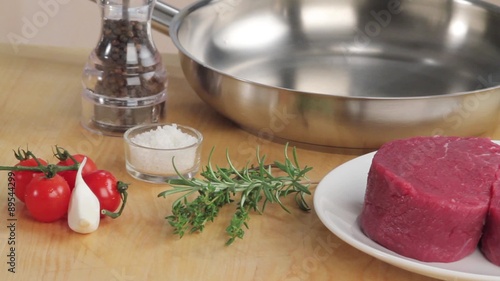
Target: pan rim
[{"x": 177, "y": 21}]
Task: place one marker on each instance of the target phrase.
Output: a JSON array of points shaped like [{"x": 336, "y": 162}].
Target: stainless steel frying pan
[{"x": 344, "y": 73}]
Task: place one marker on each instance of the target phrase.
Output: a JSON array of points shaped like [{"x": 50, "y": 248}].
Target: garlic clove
[{"x": 84, "y": 208}]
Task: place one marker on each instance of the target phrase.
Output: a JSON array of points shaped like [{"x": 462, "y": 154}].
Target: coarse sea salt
[
  {"x": 164, "y": 137},
  {"x": 150, "y": 152}
]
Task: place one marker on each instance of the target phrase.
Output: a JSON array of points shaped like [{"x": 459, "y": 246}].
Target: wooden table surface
[{"x": 40, "y": 108}]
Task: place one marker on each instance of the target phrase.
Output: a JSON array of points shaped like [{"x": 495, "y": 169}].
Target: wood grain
[{"x": 40, "y": 94}]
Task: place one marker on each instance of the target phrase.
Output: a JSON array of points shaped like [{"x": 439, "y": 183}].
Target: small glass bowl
[{"x": 156, "y": 165}]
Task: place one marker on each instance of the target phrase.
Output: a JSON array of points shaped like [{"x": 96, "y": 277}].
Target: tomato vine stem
[
  {"x": 122, "y": 188},
  {"x": 49, "y": 170}
]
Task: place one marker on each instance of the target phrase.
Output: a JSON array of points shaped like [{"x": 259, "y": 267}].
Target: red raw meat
[
  {"x": 427, "y": 197},
  {"x": 490, "y": 243}
]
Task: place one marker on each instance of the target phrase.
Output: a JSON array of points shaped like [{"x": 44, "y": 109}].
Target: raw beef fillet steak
[
  {"x": 490, "y": 243},
  {"x": 427, "y": 197}
]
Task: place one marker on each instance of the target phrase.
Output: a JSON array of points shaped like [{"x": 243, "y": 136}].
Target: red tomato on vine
[
  {"x": 104, "y": 185},
  {"x": 23, "y": 178},
  {"x": 47, "y": 199},
  {"x": 70, "y": 176}
]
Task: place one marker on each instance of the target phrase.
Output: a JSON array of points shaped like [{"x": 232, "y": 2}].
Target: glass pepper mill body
[{"x": 124, "y": 79}]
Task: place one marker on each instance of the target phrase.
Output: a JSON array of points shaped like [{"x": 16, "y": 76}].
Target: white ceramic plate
[{"x": 338, "y": 201}]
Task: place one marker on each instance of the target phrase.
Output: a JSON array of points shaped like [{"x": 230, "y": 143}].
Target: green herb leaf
[{"x": 251, "y": 187}]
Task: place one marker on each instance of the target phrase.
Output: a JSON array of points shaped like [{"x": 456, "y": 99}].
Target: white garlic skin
[{"x": 84, "y": 208}]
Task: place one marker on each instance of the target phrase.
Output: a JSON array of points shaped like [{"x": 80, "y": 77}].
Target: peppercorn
[{"x": 113, "y": 51}]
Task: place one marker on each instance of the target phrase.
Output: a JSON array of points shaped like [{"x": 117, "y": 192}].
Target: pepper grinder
[{"x": 124, "y": 79}]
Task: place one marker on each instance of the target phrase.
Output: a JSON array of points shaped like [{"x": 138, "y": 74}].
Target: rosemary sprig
[{"x": 254, "y": 186}]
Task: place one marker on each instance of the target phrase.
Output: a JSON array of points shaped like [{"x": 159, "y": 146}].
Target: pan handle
[{"x": 162, "y": 16}]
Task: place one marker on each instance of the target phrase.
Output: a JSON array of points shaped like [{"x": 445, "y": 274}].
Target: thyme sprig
[{"x": 252, "y": 186}]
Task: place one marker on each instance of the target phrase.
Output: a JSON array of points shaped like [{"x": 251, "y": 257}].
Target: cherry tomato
[
  {"x": 47, "y": 199},
  {"x": 70, "y": 176},
  {"x": 23, "y": 178},
  {"x": 103, "y": 184}
]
